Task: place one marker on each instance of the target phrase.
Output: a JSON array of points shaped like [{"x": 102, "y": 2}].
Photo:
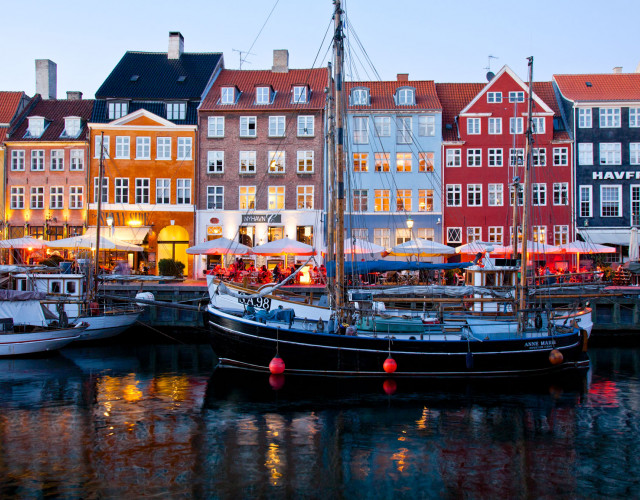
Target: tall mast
[
  {"x": 339, "y": 234},
  {"x": 331, "y": 172},
  {"x": 100, "y": 176}
]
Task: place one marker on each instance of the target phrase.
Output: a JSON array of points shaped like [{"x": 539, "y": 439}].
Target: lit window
[{"x": 275, "y": 197}]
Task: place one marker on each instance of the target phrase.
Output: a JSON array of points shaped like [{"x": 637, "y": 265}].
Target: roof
[
  {"x": 9, "y": 103},
  {"x": 544, "y": 90},
  {"x": 382, "y": 94},
  {"x": 159, "y": 77},
  {"x": 100, "y": 111},
  {"x": 247, "y": 80},
  {"x": 54, "y": 111},
  {"x": 453, "y": 98},
  {"x": 604, "y": 87}
]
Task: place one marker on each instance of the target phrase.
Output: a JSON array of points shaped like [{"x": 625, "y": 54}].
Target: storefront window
[
  {"x": 304, "y": 234},
  {"x": 275, "y": 233},
  {"x": 247, "y": 235}
]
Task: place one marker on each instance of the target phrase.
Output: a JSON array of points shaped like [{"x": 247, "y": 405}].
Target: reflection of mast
[
  {"x": 99, "y": 212},
  {"x": 339, "y": 234}
]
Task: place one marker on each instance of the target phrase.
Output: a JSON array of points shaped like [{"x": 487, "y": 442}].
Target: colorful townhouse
[
  {"x": 603, "y": 112},
  {"x": 261, "y": 138},
  {"x": 484, "y": 128},
  {"x": 145, "y": 119},
  {"x": 393, "y": 179}
]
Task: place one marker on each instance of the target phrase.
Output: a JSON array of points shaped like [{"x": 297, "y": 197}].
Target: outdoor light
[
  {"x": 109, "y": 221},
  {"x": 410, "y": 223}
]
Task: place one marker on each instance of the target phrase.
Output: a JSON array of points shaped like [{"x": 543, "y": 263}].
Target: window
[
  {"x": 247, "y": 197},
  {"x": 495, "y": 157},
  {"x": 36, "y": 127},
  {"x": 520, "y": 195},
  {"x": 539, "y": 157},
  {"x": 299, "y": 95},
  {"x": 17, "y": 198},
  {"x": 473, "y": 126},
  {"x": 381, "y": 200},
  {"x": 142, "y": 190},
  {"x": 247, "y": 162},
  {"x": 121, "y": 190},
  {"x": 474, "y": 234},
  {"x": 57, "y": 159},
  {"x": 360, "y": 97},
  {"x": 634, "y": 117},
  {"x": 163, "y": 191},
  {"x": 609, "y": 117},
  {"x": 454, "y": 195},
  {"x": 560, "y": 193},
  {"x": 184, "y": 148},
  {"x": 495, "y": 126},
  {"x": 122, "y": 147},
  {"x": 37, "y": 159},
  {"x": 71, "y": 127},
  {"x": 382, "y": 236},
  {"x": 77, "y": 159},
  {"x": 305, "y": 126},
  {"x": 427, "y": 126},
  {"x": 403, "y": 234},
  {"x": 403, "y": 162},
  {"x": 276, "y": 162},
  {"x": 76, "y": 197},
  {"x": 56, "y": 197},
  {"x": 382, "y": 125},
  {"x": 382, "y": 162},
  {"x": 634, "y": 153},
  {"x": 425, "y": 200},
  {"x": 360, "y": 233},
  {"x": 215, "y": 126},
  {"x": 360, "y": 130},
  {"x": 610, "y": 153},
  {"x": 248, "y": 126},
  {"x": 37, "y": 197},
  {"x": 425, "y": 162},
  {"x": 304, "y": 198},
  {"x": 405, "y": 97},
  {"x": 164, "y": 148},
  {"x": 454, "y": 235},
  {"x": 496, "y": 234},
  {"x": 360, "y": 200},
  {"x": 118, "y": 110},
  {"x": 454, "y": 157},
  {"x": 537, "y": 125},
  {"x": 586, "y": 195},
  {"x": 539, "y": 194},
  {"x": 176, "y": 110},
  {"x": 474, "y": 195},
  {"x": 183, "y": 191},
  {"x": 403, "y": 200},
  {"x": 516, "y": 125},
  {"x": 584, "y": 117},
  {"x": 496, "y": 195},
  {"x": 275, "y": 197},
  {"x": 360, "y": 162},
  {"x": 227, "y": 95},
  {"x": 403, "y": 132},
  {"x": 494, "y": 97},
  {"x": 105, "y": 190},
  {"x": 635, "y": 205},
  {"x": 215, "y": 197},
  {"x": 263, "y": 95},
  {"x": 276, "y": 126},
  {"x": 561, "y": 157},
  {"x": 560, "y": 235},
  {"x": 143, "y": 148},
  {"x": 17, "y": 160},
  {"x": 215, "y": 162},
  {"x": 585, "y": 153},
  {"x": 610, "y": 201},
  {"x": 474, "y": 157},
  {"x": 539, "y": 234},
  {"x": 516, "y": 96},
  {"x": 305, "y": 162}
]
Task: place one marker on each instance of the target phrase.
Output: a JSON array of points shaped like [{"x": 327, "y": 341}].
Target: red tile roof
[
  {"x": 54, "y": 111},
  {"x": 247, "y": 80},
  {"x": 454, "y": 97},
  {"x": 9, "y": 105},
  {"x": 605, "y": 87},
  {"x": 382, "y": 94}
]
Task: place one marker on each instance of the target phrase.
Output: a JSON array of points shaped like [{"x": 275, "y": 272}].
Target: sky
[{"x": 441, "y": 40}]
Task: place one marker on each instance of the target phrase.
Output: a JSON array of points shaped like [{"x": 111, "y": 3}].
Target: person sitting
[{"x": 277, "y": 274}]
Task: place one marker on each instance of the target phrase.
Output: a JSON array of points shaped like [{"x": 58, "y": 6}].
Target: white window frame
[
  {"x": 263, "y": 95},
  {"x": 360, "y": 200},
  {"x": 163, "y": 191},
  {"x": 306, "y": 125},
  {"x": 585, "y": 118},
  {"x": 495, "y": 234},
  {"x": 474, "y": 195},
  {"x": 248, "y": 194},
  {"x": 76, "y": 160},
  {"x": 381, "y": 200},
  {"x": 454, "y": 158},
  {"x": 305, "y": 162},
  {"x": 634, "y": 153},
  {"x": 585, "y": 205},
  {"x": 300, "y": 94},
  {"x": 37, "y": 160},
  {"x": 98, "y": 142},
  {"x": 585, "y": 153},
  {"x": 105, "y": 190},
  {"x": 56, "y": 160},
  {"x": 474, "y": 233},
  {"x": 494, "y": 97},
  {"x": 121, "y": 190},
  {"x": 184, "y": 195},
  {"x": 474, "y": 157},
  {"x": 404, "y": 162},
  {"x": 215, "y": 126},
  {"x": 634, "y": 117},
  {"x": 404, "y": 200},
  {"x": 277, "y": 126},
  {"x": 495, "y": 126},
  {"x": 176, "y": 111},
  {"x": 610, "y": 153},
  {"x": 454, "y": 195},
  {"x": 454, "y": 234},
  {"x": 117, "y": 109},
  {"x": 539, "y": 157},
  {"x": 516, "y": 125},
  {"x": 360, "y": 130},
  {"x": 360, "y": 97},
  {"x": 143, "y": 191},
  {"x": 276, "y": 162},
  {"x": 610, "y": 117},
  {"x": 404, "y": 125},
  {"x": 474, "y": 126},
  {"x": 215, "y": 197},
  {"x": 227, "y": 95},
  {"x": 185, "y": 148},
  {"x": 538, "y": 124},
  {"x": 516, "y": 96},
  {"x": 382, "y": 236},
  {"x": 143, "y": 148},
  {"x": 17, "y": 198},
  {"x": 163, "y": 148},
  {"x": 560, "y": 157},
  {"x": 539, "y": 194},
  {"x": 425, "y": 200},
  {"x": 247, "y": 162},
  {"x": 560, "y": 193},
  {"x": 613, "y": 188},
  {"x": 215, "y": 162},
  {"x": 276, "y": 197},
  {"x": 496, "y": 195},
  {"x": 560, "y": 234},
  {"x": 305, "y": 197},
  {"x": 405, "y": 97},
  {"x": 56, "y": 197},
  {"x": 123, "y": 147},
  {"x": 36, "y": 199},
  {"x": 248, "y": 126},
  {"x": 426, "y": 161},
  {"x": 17, "y": 160},
  {"x": 382, "y": 125},
  {"x": 495, "y": 157},
  {"x": 76, "y": 197},
  {"x": 426, "y": 126}
]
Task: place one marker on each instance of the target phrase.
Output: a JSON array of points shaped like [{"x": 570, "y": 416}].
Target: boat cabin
[{"x": 70, "y": 287}]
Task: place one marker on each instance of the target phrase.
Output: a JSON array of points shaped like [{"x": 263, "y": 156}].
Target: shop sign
[
  {"x": 619, "y": 176},
  {"x": 126, "y": 218},
  {"x": 268, "y": 218}
]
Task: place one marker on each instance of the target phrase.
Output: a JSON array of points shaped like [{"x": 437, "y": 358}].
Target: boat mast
[
  {"x": 331, "y": 175},
  {"x": 100, "y": 176},
  {"x": 338, "y": 39}
]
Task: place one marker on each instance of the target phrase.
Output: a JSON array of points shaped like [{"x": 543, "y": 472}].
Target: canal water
[{"x": 157, "y": 421}]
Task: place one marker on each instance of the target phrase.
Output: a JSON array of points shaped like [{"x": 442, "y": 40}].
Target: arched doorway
[{"x": 173, "y": 242}]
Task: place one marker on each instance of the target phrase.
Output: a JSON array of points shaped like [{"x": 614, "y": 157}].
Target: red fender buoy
[
  {"x": 389, "y": 365},
  {"x": 389, "y": 386},
  {"x": 276, "y": 382},
  {"x": 555, "y": 357},
  {"x": 276, "y": 366}
]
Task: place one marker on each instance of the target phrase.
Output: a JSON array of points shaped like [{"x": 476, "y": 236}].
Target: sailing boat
[{"x": 465, "y": 347}]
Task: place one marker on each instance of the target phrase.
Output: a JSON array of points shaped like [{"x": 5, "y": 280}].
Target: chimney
[
  {"x": 617, "y": 69},
  {"x": 280, "y": 61},
  {"x": 74, "y": 95},
  {"x": 403, "y": 77},
  {"x": 176, "y": 45},
  {"x": 46, "y": 78}
]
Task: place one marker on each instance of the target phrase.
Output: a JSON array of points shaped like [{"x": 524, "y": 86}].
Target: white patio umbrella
[
  {"x": 355, "y": 245},
  {"x": 474, "y": 247},
  {"x": 582, "y": 247},
  {"x": 88, "y": 242},
  {"x": 284, "y": 246},
  {"x": 23, "y": 243},
  {"x": 220, "y": 246},
  {"x": 633, "y": 245},
  {"x": 421, "y": 248},
  {"x": 534, "y": 247}
]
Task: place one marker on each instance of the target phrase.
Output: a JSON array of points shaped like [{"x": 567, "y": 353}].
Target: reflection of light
[
  {"x": 273, "y": 460},
  {"x": 422, "y": 423},
  {"x": 131, "y": 393},
  {"x": 175, "y": 388},
  {"x": 401, "y": 458},
  {"x": 134, "y": 222}
]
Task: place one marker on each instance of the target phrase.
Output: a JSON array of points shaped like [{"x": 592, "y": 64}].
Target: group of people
[{"x": 239, "y": 269}]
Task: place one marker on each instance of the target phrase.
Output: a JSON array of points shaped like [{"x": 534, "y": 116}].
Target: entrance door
[{"x": 173, "y": 242}]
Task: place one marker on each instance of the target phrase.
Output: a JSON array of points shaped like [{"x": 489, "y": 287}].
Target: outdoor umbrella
[
  {"x": 534, "y": 247},
  {"x": 474, "y": 247},
  {"x": 284, "y": 246},
  {"x": 88, "y": 242},
  {"x": 220, "y": 246},
  {"x": 354, "y": 245},
  {"x": 421, "y": 248},
  {"x": 581, "y": 247},
  {"x": 26, "y": 242}
]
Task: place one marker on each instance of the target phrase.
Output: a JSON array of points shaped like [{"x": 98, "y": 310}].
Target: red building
[{"x": 484, "y": 128}]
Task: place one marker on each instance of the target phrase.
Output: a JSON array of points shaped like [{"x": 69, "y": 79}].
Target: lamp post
[{"x": 410, "y": 226}]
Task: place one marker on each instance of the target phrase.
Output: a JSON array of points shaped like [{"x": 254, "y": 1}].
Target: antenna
[
  {"x": 243, "y": 59},
  {"x": 490, "y": 74}
]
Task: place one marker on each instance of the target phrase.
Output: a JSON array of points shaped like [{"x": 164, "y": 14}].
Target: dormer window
[
  {"x": 263, "y": 95},
  {"x": 227, "y": 95},
  {"x": 405, "y": 97},
  {"x": 360, "y": 97},
  {"x": 71, "y": 126},
  {"x": 300, "y": 95},
  {"x": 36, "y": 126},
  {"x": 176, "y": 110},
  {"x": 118, "y": 109}
]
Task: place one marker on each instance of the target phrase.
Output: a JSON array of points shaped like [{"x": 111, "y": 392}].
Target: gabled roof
[
  {"x": 152, "y": 75},
  {"x": 246, "y": 82},
  {"x": 603, "y": 87},
  {"x": 54, "y": 112},
  {"x": 454, "y": 97},
  {"x": 9, "y": 106},
  {"x": 545, "y": 91},
  {"x": 140, "y": 118},
  {"x": 382, "y": 94}
]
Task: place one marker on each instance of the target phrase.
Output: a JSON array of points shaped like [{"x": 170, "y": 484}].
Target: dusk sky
[{"x": 445, "y": 41}]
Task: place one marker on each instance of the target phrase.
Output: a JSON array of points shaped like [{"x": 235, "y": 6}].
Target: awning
[
  {"x": 135, "y": 235},
  {"x": 605, "y": 235}
]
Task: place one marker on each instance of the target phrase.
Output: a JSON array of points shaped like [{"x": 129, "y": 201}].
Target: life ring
[{"x": 538, "y": 321}]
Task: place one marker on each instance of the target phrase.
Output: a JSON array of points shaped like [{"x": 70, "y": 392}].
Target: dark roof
[
  {"x": 100, "y": 110},
  {"x": 600, "y": 87},
  {"x": 544, "y": 90},
  {"x": 158, "y": 76},
  {"x": 54, "y": 112},
  {"x": 453, "y": 98},
  {"x": 9, "y": 104},
  {"x": 382, "y": 94}
]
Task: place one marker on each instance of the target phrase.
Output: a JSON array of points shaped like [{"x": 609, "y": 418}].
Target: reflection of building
[
  {"x": 261, "y": 156},
  {"x": 147, "y": 110}
]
